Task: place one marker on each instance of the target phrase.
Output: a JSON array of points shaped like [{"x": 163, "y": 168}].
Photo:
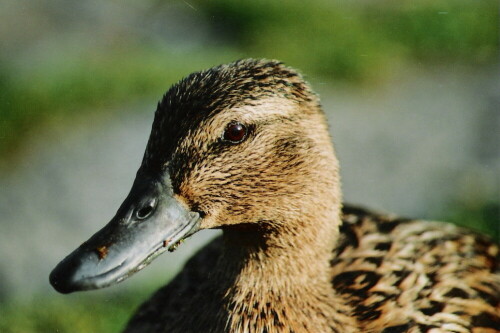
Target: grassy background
[
  {"x": 358, "y": 43},
  {"x": 358, "y": 40},
  {"x": 88, "y": 312}
]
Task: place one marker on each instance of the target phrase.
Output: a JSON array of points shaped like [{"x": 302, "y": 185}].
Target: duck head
[{"x": 239, "y": 145}]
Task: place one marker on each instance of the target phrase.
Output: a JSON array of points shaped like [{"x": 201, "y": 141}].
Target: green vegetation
[
  {"x": 360, "y": 40},
  {"x": 352, "y": 41},
  {"x": 62, "y": 88},
  {"x": 99, "y": 311},
  {"x": 483, "y": 217},
  {"x": 335, "y": 40},
  {"x": 79, "y": 313}
]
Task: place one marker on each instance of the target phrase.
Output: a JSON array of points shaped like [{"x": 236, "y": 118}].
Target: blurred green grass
[
  {"x": 353, "y": 42},
  {"x": 359, "y": 40},
  {"x": 95, "y": 311},
  {"x": 53, "y": 315},
  {"x": 88, "y": 312},
  {"x": 63, "y": 88},
  {"x": 481, "y": 216}
]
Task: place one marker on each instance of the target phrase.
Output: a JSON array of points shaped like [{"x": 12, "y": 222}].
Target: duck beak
[{"x": 149, "y": 221}]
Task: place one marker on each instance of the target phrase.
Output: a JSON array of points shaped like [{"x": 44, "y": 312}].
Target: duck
[{"x": 244, "y": 147}]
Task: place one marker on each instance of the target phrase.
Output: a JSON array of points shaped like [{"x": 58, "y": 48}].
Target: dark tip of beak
[
  {"x": 62, "y": 278},
  {"x": 62, "y": 285}
]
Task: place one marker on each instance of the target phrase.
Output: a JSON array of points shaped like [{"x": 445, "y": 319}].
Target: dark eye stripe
[{"x": 235, "y": 132}]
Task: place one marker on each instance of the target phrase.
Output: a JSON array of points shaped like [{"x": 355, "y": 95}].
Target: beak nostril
[{"x": 145, "y": 211}]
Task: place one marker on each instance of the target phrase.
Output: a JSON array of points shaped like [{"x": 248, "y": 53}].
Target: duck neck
[
  {"x": 281, "y": 276},
  {"x": 299, "y": 252}
]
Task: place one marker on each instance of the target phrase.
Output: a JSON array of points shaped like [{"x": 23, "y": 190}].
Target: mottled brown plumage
[{"x": 290, "y": 260}]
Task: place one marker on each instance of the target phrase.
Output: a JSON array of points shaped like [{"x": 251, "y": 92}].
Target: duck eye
[{"x": 235, "y": 132}]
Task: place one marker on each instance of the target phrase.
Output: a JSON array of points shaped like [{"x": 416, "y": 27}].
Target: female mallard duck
[{"x": 244, "y": 147}]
